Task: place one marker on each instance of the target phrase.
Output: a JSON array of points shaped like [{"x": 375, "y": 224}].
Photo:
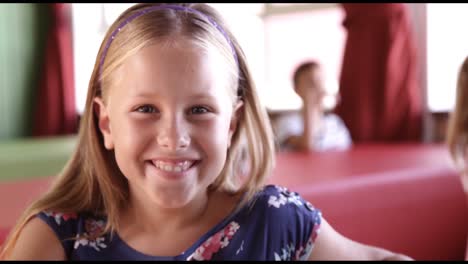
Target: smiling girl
[{"x": 154, "y": 174}]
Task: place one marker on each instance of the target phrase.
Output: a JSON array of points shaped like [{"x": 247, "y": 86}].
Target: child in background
[
  {"x": 153, "y": 176},
  {"x": 457, "y": 132},
  {"x": 313, "y": 129}
]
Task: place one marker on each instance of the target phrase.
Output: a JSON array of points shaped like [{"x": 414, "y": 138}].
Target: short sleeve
[
  {"x": 293, "y": 222},
  {"x": 63, "y": 225}
]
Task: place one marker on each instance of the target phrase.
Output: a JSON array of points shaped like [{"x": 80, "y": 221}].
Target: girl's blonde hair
[
  {"x": 457, "y": 131},
  {"x": 91, "y": 180}
]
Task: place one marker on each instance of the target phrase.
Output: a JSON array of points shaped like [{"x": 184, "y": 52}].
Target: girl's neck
[
  {"x": 206, "y": 209},
  {"x": 155, "y": 219},
  {"x": 170, "y": 232}
]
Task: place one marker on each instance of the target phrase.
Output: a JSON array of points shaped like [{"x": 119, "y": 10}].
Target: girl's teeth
[{"x": 182, "y": 166}]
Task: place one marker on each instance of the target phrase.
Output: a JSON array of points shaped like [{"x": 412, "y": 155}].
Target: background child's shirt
[{"x": 333, "y": 133}]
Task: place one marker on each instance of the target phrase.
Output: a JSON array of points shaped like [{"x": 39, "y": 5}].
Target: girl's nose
[{"x": 173, "y": 134}]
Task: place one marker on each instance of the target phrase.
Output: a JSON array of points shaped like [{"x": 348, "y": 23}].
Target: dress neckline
[{"x": 185, "y": 254}]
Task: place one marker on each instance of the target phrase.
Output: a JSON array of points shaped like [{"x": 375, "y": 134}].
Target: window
[
  {"x": 292, "y": 37},
  {"x": 90, "y": 22},
  {"x": 447, "y": 46},
  {"x": 249, "y": 32}
]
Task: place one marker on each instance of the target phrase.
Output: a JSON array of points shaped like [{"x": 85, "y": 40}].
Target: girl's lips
[
  {"x": 173, "y": 166},
  {"x": 173, "y": 169}
]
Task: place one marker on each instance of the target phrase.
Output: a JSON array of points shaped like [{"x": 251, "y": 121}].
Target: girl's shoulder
[
  {"x": 73, "y": 229},
  {"x": 278, "y": 196},
  {"x": 281, "y": 203},
  {"x": 281, "y": 219},
  {"x": 61, "y": 221}
]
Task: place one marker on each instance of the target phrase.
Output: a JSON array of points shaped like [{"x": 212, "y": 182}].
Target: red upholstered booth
[
  {"x": 407, "y": 197},
  {"x": 14, "y": 197}
]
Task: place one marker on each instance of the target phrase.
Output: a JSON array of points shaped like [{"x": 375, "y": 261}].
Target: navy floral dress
[{"x": 275, "y": 225}]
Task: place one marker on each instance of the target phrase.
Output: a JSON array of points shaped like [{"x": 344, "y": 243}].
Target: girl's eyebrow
[
  {"x": 143, "y": 95},
  {"x": 202, "y": 96},
  {"x": 192, "y": 96}
]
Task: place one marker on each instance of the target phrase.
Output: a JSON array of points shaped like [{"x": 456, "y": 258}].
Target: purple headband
[{"x": 159, "y": 7}]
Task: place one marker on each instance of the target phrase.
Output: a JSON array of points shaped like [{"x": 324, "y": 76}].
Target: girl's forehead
[
  {"x": 181, "y": 67},
  {"x": 180, "y": 54}
]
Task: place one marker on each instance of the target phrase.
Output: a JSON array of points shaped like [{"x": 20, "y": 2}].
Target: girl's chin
[{"x": 173, "y": 198}]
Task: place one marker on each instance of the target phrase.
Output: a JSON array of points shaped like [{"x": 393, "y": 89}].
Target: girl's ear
[
  {"x": 235, "y": 119},
  {"x": 103, "y": 117}
]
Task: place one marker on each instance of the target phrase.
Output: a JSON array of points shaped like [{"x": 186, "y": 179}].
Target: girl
[{"x": 169, "y": 101}]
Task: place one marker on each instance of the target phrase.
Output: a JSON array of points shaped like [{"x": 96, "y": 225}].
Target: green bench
[{"x": 31, "y": 158}]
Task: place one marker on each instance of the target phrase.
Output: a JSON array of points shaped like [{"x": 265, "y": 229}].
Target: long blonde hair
[
  {"x": 457, "y": 131},
  {"x": 91, "y": 180}
]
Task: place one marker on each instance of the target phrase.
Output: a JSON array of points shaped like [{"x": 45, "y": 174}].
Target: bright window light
[{"x": 447, "y": 46}]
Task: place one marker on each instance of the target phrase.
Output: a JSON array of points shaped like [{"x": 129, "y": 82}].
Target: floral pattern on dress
[
  {"x": 316, "y": 229},
  {"x": 213, "y": 244},
  {"x": 285, "y": 196},
  {"x": 275, "y": 231},
  {"x": 61, "y": 216},
  {"x": 286, "y": 252},
  {"x": 91, "y": 236},
  {"x": 303, "y": 252},
  {"x": 290, "y": 253}
]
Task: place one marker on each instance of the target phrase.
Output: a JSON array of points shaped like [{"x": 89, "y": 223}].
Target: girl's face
[{"x": 169, "y": 117}]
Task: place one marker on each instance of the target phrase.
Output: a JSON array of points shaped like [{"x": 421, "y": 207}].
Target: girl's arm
[
  {"x": 331, "y": 245},
  {"x": 37, "y": 241}
]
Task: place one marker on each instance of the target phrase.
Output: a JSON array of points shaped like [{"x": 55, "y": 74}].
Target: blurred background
[
  {"x": 47, "y": 53},
  {"x": 46, "y": 43}
]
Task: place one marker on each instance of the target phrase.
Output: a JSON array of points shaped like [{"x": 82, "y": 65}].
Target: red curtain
[
  {"x": 55, "y": 112},
  {"x": 379, "y": 85}
]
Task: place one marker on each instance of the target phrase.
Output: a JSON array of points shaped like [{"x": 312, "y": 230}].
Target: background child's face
[
  {"x": 169, "y": 118},
  {"x": 310, "y": 86}
]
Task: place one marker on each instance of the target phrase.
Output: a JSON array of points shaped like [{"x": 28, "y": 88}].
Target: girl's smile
[{"x": 173, "y": 169}]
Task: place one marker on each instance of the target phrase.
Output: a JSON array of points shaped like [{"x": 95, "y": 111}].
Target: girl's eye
[
  {"x": 146, "y": 109},
  {"x": 199, "y": 110}
]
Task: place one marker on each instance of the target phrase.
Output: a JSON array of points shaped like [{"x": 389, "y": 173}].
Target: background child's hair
[
  {"x": 457, "y": 131},
  {"x": 91, "y": 180},
  {"x": 304, "y": 66}
]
